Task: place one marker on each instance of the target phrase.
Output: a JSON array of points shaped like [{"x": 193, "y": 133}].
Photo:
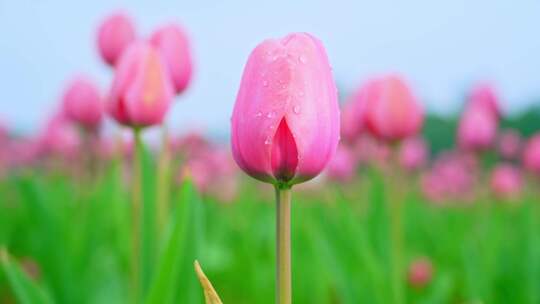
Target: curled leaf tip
[{"x": 210, "y": 294}]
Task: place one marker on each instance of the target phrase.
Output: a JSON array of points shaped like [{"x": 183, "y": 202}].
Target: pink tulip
[
  {"x": 420, "y": 272},
  {"x": 531, "y": 155},
  {"x": 115, "y": 33},
  {"x": 82, "y": 103},
  {"x": 506, "y": 181},
  {"x": 173, "y": 44},
  {"x": 413, "y": 154},
  {"x": 60, "y": 137},
  {"x": 393, "y": 112},
  {"x": 477, "y": 128},
  {"x": 342, "y": 167},
  {"x": 142, "y": 91},
  {"x": 285, "y": 124},
  {"x": 510, "y": 143},
  {"x": 352, "y": 116},
  {"x": 484, "y": 95}
]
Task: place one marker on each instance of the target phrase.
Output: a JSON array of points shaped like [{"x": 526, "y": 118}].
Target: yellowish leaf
[{"x": 210, "y": 294}]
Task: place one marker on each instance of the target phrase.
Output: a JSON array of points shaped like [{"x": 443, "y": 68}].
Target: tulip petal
[{"x": 284, "y": 153}]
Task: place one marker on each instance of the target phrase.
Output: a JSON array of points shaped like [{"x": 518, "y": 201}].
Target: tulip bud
[
  {"x": 141, "y": 91},
  {"x": 413, "y": 154},
  {"x": 531, "y": 155},
  {"x": 173, "y": 44},
  {"x": 509, "y": 145},
  {"x": 477, "y": 129},
  {"x": 285, "y": 123},
  {"x": 82, "y": 103},
  {"x": 114, "y": 35},
  {"x": 393, "y": 112},
  {"x": 342, "y": 167},
  {"x": 506, "y": 181},
  {"x": 420, "y": 272},
  {"x": 60, "y": 137},
  {"x": 352, "y": 118},
  {"x": 483, "y": 95}
]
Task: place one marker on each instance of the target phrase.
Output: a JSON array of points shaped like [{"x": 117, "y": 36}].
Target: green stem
[
  {"x": 163, "y": 178},
  {"x": 395, "y": 211},
  {"x": 283, "y": 248},
  {"x": 136, "y": 214}
]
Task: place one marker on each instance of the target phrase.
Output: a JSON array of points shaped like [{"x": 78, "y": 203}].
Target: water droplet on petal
[
  {"x": 296, "y": 109},
  {"x": 271, "y": 114},
  {"x": 267, "y": 141},
  {"x": 265, "y": 83},
  {"x": 302, "y": 59},
  {"x": 259, "y": 114}
]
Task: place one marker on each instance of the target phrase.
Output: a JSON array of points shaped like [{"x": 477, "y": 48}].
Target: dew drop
[
  {"x": 302, "y": 59},
  {"x": 259, "y": 114},
  {"x": 265, "y": 83},
  {"x": 267, "y": 141},
  {"x": 271, "y": 114},
  {"x": 296, "y": 109}
]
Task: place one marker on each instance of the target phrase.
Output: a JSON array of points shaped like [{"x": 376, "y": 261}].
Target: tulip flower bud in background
[
  {"x": 484, "y": 95},
  {"x": 59, "y": 138},
  {"x": 531, "y": 155},
  {"x": 342, "y": 167},
  {"x": 413, "y": 154},
  {"x": 352, "y": 115},
  {"x": 114, "y": 34},
  {"x": 285, "y": 124},
  {"x": 420, "y": 272},
  {"x": 477, "y": 128},
  {"x": 510, "y": 144},
  {"x": 393, "y": 112},
  {"x": 506, "y": 181},
  {"x": 173, "y": 44},
  {"x": 83, "y": 104},
  {"x": 141, "y": 91}
]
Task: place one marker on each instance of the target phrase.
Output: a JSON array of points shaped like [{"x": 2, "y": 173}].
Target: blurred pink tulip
[
  {"x": 393, "y": 112},
  {"x": 173, "y": 44},
  {"x": 285, "y": 124},
  {"x": 190, "y": 144},
  {"x": 352, "y": 115},
  {"x": 142, "y": 91},
  {"x": 509, "y": 145},
  {"x": 506, "y": 181},
  {"x": 413, "y": 154},
  {"x": 83, "y": 104},
  {"x": 477, "y": 128},
  {"x": 452, "y": 176},
  {"x": 531, "y": 155},
  {"x": 484, "y": 96},
  {"x": 115, "y": 33},
  {"x": 420, "y": 272},
  {"x": 342, "y": 167},
  {"x": 60, "y": 137}
]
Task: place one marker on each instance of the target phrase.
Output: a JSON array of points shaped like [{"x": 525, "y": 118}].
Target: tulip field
[{"x": 313, "y": 196}]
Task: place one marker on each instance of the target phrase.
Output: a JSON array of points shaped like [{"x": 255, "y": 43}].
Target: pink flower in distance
[
  {"x": 114, "y": 35},
  {"x": 531, "y": 155},
  {"x": 352, "y": 116},
  {"x": 509, "y": 144},
  {"x": 285, "y": 123},
  {"x": 420, "y": 272},
  {"x": 173, "y": 44},
  {"x": 342, "y": 167},
  {"x": 393, "y": 112},
  {"x": 477, "y": 128},
  {"x": 60, "y": 137},
  {"x": 83, "y": 104},
  {"x": 506, "y": 181},
  {"x": 413, "y": 154},
  {"x": 141, "y": 91},
  {"x": 484, "y": 95}
]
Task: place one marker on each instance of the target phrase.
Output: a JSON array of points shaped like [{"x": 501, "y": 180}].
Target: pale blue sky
[{"x": 441, "y": 46}]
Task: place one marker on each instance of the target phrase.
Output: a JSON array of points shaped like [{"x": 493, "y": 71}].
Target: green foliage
[{"x": 79, "y": 233}]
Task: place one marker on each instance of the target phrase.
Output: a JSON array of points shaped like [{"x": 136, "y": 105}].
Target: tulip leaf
[
  {"x": 210, "y": 294},
  {"x": 173, "y": 280},
  {"x": 25, "y": 290}
]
